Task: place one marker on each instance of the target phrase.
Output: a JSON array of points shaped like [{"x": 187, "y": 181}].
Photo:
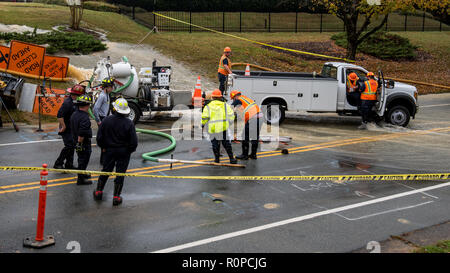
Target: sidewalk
[{"x": 408, "y": 242}]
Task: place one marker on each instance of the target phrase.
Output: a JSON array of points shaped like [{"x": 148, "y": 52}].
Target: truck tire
[
  {"x": 274, "y": 118},
  {"x": 135, "y": 113},
  {"x": 398, "y": 115}
]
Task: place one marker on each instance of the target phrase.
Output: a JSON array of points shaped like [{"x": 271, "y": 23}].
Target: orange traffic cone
[
  {"x": 247, "y": 70},
  {"x": 197, "y": 98}
]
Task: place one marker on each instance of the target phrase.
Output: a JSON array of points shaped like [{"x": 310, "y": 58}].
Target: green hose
[{"x": 150, "y": 155}]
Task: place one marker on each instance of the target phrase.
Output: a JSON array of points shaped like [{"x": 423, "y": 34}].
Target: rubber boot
[
  {"x": 117, "y": 200},
  {"x": 254, "y": 150},
  {"x": 83, "y": 180},
  {"x": 216, "y": 155},
  {"x": 244, "y": 155},
  {"x": 230, "y": 154},
  {"x": 98, "y": 193}
]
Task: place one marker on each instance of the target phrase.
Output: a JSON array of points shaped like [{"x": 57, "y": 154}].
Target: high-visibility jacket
[
  {"x": 370, "y": 92},
  {"x": 250, "y": 107},
  {"x": 217, "y": 115},
  {"x": 351, "y": 86},
  {"x": 222, "y": 69}
]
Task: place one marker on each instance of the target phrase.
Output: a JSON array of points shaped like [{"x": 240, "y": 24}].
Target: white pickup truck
[{"x": 324, "y": 92}]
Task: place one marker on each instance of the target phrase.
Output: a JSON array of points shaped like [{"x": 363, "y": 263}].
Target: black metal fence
[{"x": 273, "y": 22}]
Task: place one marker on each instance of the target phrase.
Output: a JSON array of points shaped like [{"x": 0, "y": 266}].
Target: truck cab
[{"x": 324, "y": 92}]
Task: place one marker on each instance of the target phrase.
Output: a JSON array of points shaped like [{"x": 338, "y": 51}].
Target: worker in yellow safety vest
[
  {"x": 224, "y": 68},
  {"x": 368, "y": 98},
  {"x": 252, "y": 116},
  {"x": 217, "y": 117}
]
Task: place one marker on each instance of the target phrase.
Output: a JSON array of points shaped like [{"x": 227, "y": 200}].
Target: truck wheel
[
  {"x": 274, "y": 117},
  {"x": 135, "y": 113},
  {"x": 398, "y": 115}
]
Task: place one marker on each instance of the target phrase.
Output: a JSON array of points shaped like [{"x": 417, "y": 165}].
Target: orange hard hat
[
  {"x": 216, "y": 94},
  {"x": 352, "y": 76},
  {"x": 370, "y": 74},
  {"x": 227, "y": 49},
  {"x": 234, "y": 93}
]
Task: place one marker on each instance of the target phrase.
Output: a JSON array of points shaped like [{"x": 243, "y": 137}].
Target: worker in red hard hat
[
  {"x": 217, "y": 116},
  {"x": 224, "y": 68},
  {"x": 65, "y": 158}
]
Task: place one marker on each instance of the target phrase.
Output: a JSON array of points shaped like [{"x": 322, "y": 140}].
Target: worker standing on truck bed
[
  {"x": 224, "y": 68},
  {"x": 82, "y": 134},
  {"x": 117, "y": 136},
  {"x": 253, "y": 118},
  {"x": 64, "y": 113},
  {"x": 101, "y": 107},
  {"x": 217, "y": 116},
  {"x": 368, "y": 98}
]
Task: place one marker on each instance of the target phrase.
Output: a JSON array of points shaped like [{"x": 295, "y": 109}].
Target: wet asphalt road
[{"x": 239, "y": 216}]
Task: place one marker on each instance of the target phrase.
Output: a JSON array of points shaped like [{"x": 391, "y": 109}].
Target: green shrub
[
  {"x": 100, "y": 6},
  {"x": 383, "y": 45},
  {"x": 74, "y": 42}
]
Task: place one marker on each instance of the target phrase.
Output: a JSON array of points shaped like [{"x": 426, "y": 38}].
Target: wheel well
[
  {"x": 280, "y": 101},
  {"x": 403, "y": 102}
]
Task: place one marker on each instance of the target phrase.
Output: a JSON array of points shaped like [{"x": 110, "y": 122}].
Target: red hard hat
[
  {"x": 227, "y": 49},
  {"x": 234, "y": 93},
  {"x": 216, "y": 94},
  {"x": 370, "y": 74},
  {"x": 77, "y": 89}
]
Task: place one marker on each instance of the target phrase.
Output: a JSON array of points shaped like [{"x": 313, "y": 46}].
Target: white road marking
[
  {"x": 53, "y": 140},
  {"x": 435, "y": 105},
  {"x": 383, "y": 212},
  {"x": 297, "y": 219}
]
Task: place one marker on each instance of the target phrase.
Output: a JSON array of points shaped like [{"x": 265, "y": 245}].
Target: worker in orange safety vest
[{"x": 253, "y": 118}]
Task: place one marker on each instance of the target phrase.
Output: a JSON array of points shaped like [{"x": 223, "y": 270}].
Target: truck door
[
  {"x": 381, "y": 95},
  {"x": 324, "y": 95}
]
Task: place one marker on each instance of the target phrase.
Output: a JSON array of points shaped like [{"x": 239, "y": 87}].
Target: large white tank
[{"x": 124, "y": 73}]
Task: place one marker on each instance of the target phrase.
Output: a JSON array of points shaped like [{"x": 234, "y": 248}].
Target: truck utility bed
[{"x": 281, "y": 75}]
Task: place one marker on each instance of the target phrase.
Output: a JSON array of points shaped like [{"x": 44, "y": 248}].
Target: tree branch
[{"x": 375, "y": 29}]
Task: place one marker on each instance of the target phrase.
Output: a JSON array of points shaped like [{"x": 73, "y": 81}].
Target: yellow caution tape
[
  {"x": 380, "y": 177},
  {"x": 252, "y": 41}
]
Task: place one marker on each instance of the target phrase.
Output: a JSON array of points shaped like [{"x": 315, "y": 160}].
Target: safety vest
[
  {"x": 250, "y": 107},
  {"x": 370, "y": 93},
  {"x": 222, "y": 69},
  {"x": 218, "y": 115},
  {"x": 350, "y": 86}
]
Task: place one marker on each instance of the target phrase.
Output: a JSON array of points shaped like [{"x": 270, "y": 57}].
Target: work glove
[{"x": 79, "y": 147}]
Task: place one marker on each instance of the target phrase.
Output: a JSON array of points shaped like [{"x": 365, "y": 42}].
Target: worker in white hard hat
[{"x": 117, "y": 136}]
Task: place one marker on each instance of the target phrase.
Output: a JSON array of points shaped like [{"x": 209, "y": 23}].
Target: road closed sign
[
  {"x": 4, "y": 57},
  {"x": 26, "y": 58},
  {"x": 55, "y": 67},
  {"x": 50, "y": 102}
]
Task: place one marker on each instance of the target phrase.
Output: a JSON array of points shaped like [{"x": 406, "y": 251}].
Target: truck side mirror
[{"x": 390, "y": 84}]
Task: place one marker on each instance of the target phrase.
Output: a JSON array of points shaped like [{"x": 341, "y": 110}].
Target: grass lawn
[
  {"x": 201, "y": 50},
  {"x": 440, "y": 247}
]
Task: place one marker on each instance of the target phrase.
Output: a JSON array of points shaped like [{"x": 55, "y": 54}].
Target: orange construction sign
[
  {"x": 50, "y": 103},
  {"x": 4, "y": 56},
  {"x": 26, "y": 58},
  {"x": 55, "y": 67}
]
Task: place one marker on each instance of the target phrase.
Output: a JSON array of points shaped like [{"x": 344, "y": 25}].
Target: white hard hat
[{"x": 121, "y": 106}]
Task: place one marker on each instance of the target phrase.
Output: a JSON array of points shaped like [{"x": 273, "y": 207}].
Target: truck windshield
[{"x": 329, "y": 71}]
